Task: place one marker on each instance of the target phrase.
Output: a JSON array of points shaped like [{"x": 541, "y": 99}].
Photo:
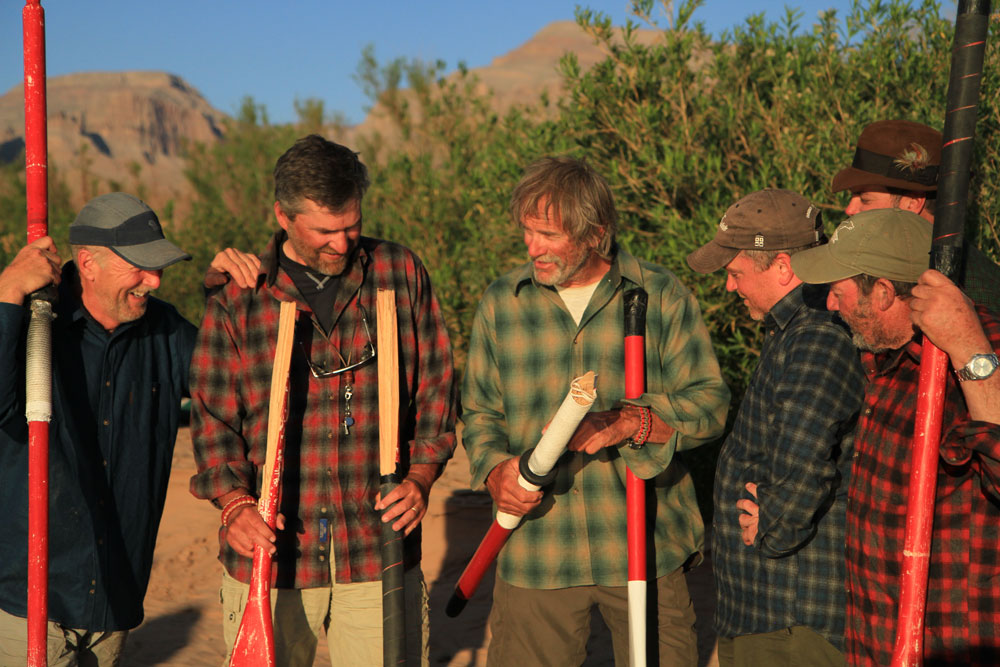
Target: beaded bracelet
[
  {"x": 645, "y": 429},
  {"x": 235, "y": 504}
]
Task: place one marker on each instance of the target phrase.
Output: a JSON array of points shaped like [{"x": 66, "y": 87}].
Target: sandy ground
[{"x": 183, "y": 618}]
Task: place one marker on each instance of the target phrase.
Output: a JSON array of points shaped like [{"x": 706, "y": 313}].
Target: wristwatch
[{"x": 980, "y": 367}]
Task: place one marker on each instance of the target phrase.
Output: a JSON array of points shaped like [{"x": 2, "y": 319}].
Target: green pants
[
  {"x": 551, "y": 627},
  {"x": 64, "y": 646},
  {"x": 789, "y": 647}
]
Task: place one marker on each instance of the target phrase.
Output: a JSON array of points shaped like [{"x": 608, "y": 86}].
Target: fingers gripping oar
[
  {"x": 537, "y": 469},
  {"x": 635, "y": 488},
  {"x": 393, "y": 597},
  {"x": 968, "y": 51},
  {"x": 255, "y": 640},
  {"x": 38, "y": 353}
]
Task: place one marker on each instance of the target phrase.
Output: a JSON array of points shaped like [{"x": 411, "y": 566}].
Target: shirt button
[
  {"x": 106, "y": 422},
  {"x": 105, "y": 463},
  {"x": 322, "y": 558},
  {"x": 322, "y": 509},
  {"x": 868, "y": 412},
  {"x": 108, "y": 383},
  {"x": 91, "y": 591}
]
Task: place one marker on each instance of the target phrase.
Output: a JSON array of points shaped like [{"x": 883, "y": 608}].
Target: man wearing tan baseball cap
[
  {"x": 875, "y": 265},
  {"x": 780, "y": 484},
  {"x": 896, "y": 165}
]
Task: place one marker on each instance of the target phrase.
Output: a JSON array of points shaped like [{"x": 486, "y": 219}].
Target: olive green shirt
[{"x": 524, "y": 351}]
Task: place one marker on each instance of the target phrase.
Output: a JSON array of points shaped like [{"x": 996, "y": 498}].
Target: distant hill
[
  {"x": 116, "y": 126},
  {"x": 122, "y": 126}
]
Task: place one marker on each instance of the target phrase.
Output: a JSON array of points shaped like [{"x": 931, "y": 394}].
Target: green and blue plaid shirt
[
  {"x": 524, "y": 351},
  {"x": 793, "y": 437}
]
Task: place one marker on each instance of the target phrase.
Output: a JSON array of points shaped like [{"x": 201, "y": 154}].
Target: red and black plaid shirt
[
  {"x": 330, "y": 477},
  {"x": 963, "y": 594}
]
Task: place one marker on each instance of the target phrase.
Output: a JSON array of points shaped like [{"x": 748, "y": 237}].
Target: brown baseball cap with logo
[
  {"x": 764, "y": 220},
  {"x": 894, "y": 154}
]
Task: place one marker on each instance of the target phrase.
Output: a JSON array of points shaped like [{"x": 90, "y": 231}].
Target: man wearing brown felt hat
[{"x": 896, "y": 165}]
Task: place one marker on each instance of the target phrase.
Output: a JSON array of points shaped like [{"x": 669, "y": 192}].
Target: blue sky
[{"x": 280, "y": 50}]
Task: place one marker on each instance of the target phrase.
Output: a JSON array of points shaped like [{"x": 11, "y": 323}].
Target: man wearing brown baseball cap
[
  {"x": 896, "y": 165},
  {"x": 780, "y": 483},
  {"x": 875, "y": 265}
]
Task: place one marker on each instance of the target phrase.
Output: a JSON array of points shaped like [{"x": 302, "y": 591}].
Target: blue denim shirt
[
  {"x": 116, "y": 409},
  {"x": 793, "y": 437}
]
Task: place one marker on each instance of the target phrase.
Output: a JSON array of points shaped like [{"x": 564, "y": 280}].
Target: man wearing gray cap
[
  {"x": 119, "y": 369},
  {"x": 780, "y": 484},
  {"x": 876, "y": 264}
]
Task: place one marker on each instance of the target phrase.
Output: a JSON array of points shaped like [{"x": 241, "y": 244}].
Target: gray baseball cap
[
  {"x": 129, "y": 228},
  {"x": 764, "y": 220},
  {"x": 885, "y": 243}
]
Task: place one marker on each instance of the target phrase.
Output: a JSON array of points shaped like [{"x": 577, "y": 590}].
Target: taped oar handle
[
  {"x": 529, "y": 475},
  {"x": 537, "y": 463},
  {"x": 393, "y": 595},
  {"x": 965, "y": 78}
]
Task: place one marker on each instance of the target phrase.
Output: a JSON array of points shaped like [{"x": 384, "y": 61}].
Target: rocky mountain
[
  {"x": 118, "y": 127},
  {"x": 130, "y": 127}
]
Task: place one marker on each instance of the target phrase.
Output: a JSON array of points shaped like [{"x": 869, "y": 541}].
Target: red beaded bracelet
[
  {"x": 645, "y": 428},
  {"x": 235, "y": 504}
]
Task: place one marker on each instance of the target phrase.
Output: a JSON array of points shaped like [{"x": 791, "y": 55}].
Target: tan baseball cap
[
  {"x": 885, "y": 243},
  {"x": 764, "y": 220}
]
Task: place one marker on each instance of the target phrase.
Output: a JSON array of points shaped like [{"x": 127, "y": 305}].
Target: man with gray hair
[
  {"x": 536, "y": 328},
  {"x": 781, "y": 479},
  {"x": 119, "y": 369},
  {"x": 875, "y": 265}
]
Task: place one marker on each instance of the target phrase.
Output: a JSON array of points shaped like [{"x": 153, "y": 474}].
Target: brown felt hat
[
  {"x": 894, "y": 154},
  {"x": 764, "y": 220}
]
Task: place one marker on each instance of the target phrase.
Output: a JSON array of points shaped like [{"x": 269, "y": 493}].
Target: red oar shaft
[
  {"x": 36, "y": 180},
  {"x": 635, "y": 488},
  {"x": 254, "y": 645},
  {"x": 968, "y": 53},
  {"x": 537, "y": 469}
]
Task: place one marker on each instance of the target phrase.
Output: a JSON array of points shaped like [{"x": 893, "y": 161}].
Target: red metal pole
[
  {"x": 635, "y": 488},
  {"x": 36, "y": 179},
  {"x": 965, "y": 78}
]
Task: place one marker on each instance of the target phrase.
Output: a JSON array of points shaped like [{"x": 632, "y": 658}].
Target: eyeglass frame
[{"x": 369, "y": 349}]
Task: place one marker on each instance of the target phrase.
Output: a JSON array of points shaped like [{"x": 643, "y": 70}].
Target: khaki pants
[
  {"x": 789, "y": 647},
  {"x": 550, "y": 627},
  {"x": 351, "y": 614},
  {"x": 65, "y": 647}
]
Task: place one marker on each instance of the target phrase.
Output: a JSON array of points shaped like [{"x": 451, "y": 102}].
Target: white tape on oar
[
  {"x": 580, "y": 398},
  {"x": 38, "y": 367}
]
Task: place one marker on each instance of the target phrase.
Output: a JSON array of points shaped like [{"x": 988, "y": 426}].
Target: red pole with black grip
[
  {"x": 968, "y": 52},
  {"x": 38, "y": 394},
  {"x": 635, "y": 488}
]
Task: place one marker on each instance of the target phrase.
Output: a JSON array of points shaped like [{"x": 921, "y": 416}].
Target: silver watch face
[{"x": 982, "y": 365}]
